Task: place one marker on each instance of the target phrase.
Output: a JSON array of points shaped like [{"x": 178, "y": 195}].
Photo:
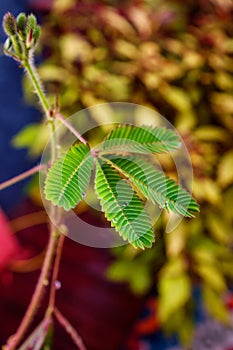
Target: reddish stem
[
  {"x": 55, "y": 273},
  {"x": 69, "y": 329},
  {"x": 20, "y": 177},
  {"x": 15, "y": 339},
  {"x": 71, "y": 128}
]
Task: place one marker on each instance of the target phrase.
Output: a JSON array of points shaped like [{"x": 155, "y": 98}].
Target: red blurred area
[
  {"x": 9, "y": 246},
  {"x": 40, "y": 5},
  {"x": 103, "y": 312}
]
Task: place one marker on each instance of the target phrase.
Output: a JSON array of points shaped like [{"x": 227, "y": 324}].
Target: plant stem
[
  {"x": 54, "y": 235},
  {"x": 69, "y": 329},
  {"x": 38, "y": 293},
  {"x": 55, "y": 274},
  {"x": 55, "y": 240},
  {"x": 34, "y": 77},
  {"x": 71, "y": 128},
  {"x": 32, "y": 73},
  {"x": 20, "y": 177}
]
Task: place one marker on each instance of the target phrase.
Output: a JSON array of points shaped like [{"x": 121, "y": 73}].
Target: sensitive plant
[
  {"x": 124, "y": 180},
  {"x": 179, "y": 62}
]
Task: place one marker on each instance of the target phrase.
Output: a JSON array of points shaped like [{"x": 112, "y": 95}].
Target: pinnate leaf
[
  {"x": 143, "y": 139},
  {"x": 121, "y": 180},
  {"x": 68, "y": 178},
  {"x": 123, "y": 207},
  {"x": 154, "y": 185}
]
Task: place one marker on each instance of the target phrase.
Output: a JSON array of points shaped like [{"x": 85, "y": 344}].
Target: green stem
[
  {"x": 32, "y": 73},
  {"x": 34, "y": 77},
  {"x": 54, "y": 140}
]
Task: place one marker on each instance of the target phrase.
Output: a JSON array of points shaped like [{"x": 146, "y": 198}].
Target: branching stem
[
  {"x": 71, "y": 128},
  {"x": 38, "y": 293},
  {"x": 20, "y": 177},
  {"x": 69, "y": 329},
  {"x": 55, "y": 275},
  {"x": 56, "y": 239},
  {"x": 54, "y": 235}
]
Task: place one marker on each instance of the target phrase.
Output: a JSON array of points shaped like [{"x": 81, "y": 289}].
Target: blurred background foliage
[{"x": 175, "y": 57}]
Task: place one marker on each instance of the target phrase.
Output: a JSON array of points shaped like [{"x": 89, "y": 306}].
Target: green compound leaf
[
  {"x": 143, "y": 139},
  {"x": 123, "y": 207},
  {"x": 154, "y": 185},
  {"x": 68, "y": 178}
]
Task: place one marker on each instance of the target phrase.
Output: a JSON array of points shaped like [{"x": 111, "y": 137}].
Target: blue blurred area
[
  {"x": 161, "y": 341},
  {"x": 14, "y": 114}
]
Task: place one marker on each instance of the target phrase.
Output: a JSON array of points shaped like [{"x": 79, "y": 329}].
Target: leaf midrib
[
  {"x": 160, "y": 143},
  {"x": 148, "y": 188},
  {"x": 115, "y": 200},
  {"x": 70, "y": 179}
]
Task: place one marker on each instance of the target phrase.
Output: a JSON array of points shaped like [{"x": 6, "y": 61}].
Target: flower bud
[
  {"x": 9, "y": 24},
  {"x": 31, "y": 23},
  {"x": 36, "y": 33},
  {"x": 29, "y": 39},
  {"x": 21, "y": 21}
]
